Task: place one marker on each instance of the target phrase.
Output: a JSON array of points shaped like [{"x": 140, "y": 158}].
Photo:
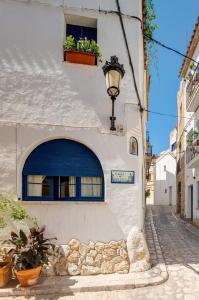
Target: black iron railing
[
  {"x": 191, "y": 152},
  {"x": 192, "y": 87}
]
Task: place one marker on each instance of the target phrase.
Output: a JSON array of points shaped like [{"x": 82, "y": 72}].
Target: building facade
[
  {"x": 180, "y": 151},
  {"x": 57, "y": 151},
  {"x": 161, "y": 183},
  {"x": 190, "y": 130},
  {"x": 150, "y": 182}
]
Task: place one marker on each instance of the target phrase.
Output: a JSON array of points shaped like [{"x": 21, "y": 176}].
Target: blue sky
[{"x": 176, "y": 20}]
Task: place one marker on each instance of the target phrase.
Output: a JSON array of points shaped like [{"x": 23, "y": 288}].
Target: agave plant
[{"x": 30, "y": 251}]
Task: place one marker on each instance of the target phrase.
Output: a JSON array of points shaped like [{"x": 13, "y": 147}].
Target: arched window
[
  {"x": 63, "y": 170},
  {"x": 133, "y": 145}
]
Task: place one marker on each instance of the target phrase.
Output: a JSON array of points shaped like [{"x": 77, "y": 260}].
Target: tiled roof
[{"x": 191, "y": 49}]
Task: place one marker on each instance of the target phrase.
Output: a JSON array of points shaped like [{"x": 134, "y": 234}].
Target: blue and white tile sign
[{"x": 118, "y": 176}]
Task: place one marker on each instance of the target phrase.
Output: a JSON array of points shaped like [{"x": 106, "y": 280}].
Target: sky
[{"x": 176, "y": 21}]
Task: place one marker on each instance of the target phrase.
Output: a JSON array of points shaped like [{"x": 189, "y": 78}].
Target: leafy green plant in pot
[
  {"x": 84, "y": 51},
  {"x": 29, "y": 254},
  {"x": 5, "y": 270},
  {"x": 12, "y": 214}
]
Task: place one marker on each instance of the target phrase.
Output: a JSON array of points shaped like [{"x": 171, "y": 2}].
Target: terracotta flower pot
[
  {"x": 28, "y": 277},
  {"x": 79, "y": 57},
  {"x": 5, "y": 273}
]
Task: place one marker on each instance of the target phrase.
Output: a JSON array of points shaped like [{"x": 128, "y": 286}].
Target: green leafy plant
[
  {"x": 70, "y": 43},
  {"x": 150, "y": 26},
  {"x": 191, "y": 70},
  {"x": 11, "y": 210},
  {"x": 30, "y": 251},
  {"x": 192, "y": 136},
  {"x": 95, "y": 49},
  {"x": 83, "y": 45}
]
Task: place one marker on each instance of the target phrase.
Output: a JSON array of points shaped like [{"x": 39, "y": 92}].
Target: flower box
[{"x": 78, "y": 57}]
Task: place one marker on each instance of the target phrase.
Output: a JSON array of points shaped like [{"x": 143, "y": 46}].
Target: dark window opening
[{"x": 80, "y": 32}]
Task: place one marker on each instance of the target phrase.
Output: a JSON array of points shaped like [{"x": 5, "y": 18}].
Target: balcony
[
  {"x": 192, "y": 155},
  {"x": 193, "y": 93}
]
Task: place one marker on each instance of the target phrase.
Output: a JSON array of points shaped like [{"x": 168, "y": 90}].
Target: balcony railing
[
  {"x": 192, "y": 151},
  {"x": 192, "y": 89}
]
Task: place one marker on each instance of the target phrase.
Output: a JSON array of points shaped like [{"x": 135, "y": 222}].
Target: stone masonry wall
[{"x": 77, "y": 258}]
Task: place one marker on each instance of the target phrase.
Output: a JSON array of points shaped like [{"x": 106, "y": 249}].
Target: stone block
[
  {"x": 74, "y": 244},
  {"x": 90, "y": 270}
]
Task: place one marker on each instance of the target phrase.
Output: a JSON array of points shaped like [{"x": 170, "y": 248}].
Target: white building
[
  {"x": 57, "y": 151},
  {"x": 165, "y": 174},
  {"x": 190, "y": 89}
]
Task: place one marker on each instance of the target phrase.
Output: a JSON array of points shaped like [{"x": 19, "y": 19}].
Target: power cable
[
  {"x": 167, "y": 115},
  {"x": 169, "y": 48},
  {"x": 119, "y": 13},
  {"x": 116, "y": 13},
  {"x": 143, "y": 166},
  {"x": 129, "y": 54}
]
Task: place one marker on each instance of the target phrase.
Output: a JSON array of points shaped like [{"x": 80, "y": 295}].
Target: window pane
[
  {"x": 86, "y": 191},
  {"x": 91, "y": 180},
  {"x": 35, "y": 190},
  {"x": 97, "y": 180},
  {"x": 91, "y": 186},
  {"x": 35, "y": 178},
  {"x": 39, "y": 186},
  {"x": 86, "y": 180},
  {"x": 97, "y": 190},
  {"x": 67, "y": 186}
]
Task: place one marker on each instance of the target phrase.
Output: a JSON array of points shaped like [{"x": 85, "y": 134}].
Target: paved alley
[{"x": 181, "y": 252}]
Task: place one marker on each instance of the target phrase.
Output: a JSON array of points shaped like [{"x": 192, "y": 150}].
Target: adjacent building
[
  {"x": 58, "y": 154},
  {"x": 161, "y": 182},
  {"x": 188, "y": 133}
]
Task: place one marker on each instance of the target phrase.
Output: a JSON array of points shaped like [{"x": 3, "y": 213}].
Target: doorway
[
  {"x": 191, "y": 201},
  {"x": 170, "y": 195}
]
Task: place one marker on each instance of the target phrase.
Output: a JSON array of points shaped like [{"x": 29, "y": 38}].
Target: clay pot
[
  {"x": 79, "y": 57},
  {"x": 28, "y": 277},
  {"x": 5, "y": 273}
]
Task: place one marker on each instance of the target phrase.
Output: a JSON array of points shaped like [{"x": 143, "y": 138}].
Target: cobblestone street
[{"x": 180, "y": 248}]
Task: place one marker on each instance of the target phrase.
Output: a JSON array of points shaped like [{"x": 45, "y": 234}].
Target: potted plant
[
  {"x": 29, "y": 254},
  {"x": 11, "y": 212},
  {"x": 5, "y": 270},
  {"x": 84, "y": 51}
]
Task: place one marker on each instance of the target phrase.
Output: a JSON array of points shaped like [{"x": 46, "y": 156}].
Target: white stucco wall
[
  {"x": 43, "y": 98},
  {"x": 165, "y": 179}
]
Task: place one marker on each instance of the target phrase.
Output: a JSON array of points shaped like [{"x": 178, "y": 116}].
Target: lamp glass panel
[{"x": 113, "y": 79}]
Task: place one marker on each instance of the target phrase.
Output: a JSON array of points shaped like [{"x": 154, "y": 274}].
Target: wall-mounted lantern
[{"x": 114, "y": 72}]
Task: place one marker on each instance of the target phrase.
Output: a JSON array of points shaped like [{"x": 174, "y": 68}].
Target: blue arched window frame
[{"x": 71, "y": 159}]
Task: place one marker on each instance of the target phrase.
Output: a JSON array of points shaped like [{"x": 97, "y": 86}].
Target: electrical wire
[
  {"x": 129, "y": 54},
  {"x": 167, "y": 115},
  {"x": 169, "y": 48},
  {"x": 116, "y": 13},
  {"x": 143, "y": 167}
]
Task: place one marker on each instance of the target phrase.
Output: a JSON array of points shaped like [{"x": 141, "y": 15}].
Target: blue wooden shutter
[{"x": 62, "y": 157}]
